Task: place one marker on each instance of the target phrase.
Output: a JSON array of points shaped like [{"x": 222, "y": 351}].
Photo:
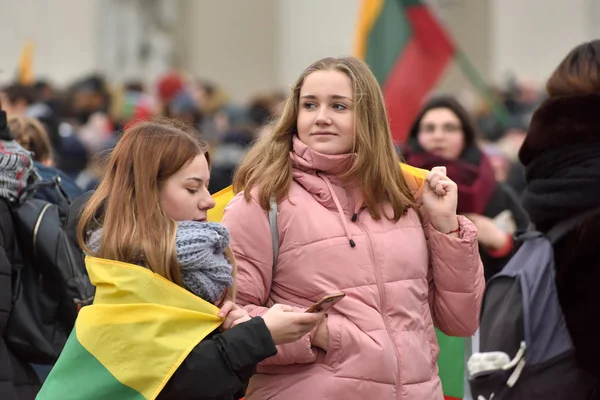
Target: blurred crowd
[{"x": 84, "y": 120}]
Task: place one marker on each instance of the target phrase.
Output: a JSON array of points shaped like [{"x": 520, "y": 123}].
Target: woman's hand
[
  {"x": 287, "y": 326},
  {"x": 488, "y": 233},
  {"x": 233, "y": 315},
  {"x": 440, "y": 198},
  {"x": 321, "y": 337}
]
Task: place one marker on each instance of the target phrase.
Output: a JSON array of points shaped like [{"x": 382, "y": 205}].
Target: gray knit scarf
[{"x": 200, "y": 250}]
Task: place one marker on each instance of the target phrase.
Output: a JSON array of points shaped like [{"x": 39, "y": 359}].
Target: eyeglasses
[{"x": 446, "y": 128}]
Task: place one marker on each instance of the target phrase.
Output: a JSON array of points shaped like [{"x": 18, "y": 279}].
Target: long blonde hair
[
  {"x": 268, "y": 165},
  {"x": 126, "y": 203}
]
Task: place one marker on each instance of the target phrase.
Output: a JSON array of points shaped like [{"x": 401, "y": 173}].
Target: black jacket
[
  {"x": 577, "y": 278},
  {"x": 503, "y": 199},
  {"x": 17, "y": 379},
  {"x": 220, "y": 367}
]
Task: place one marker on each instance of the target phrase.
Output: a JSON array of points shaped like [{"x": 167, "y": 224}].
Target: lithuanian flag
[
  {"x": 128, "y": 344},
  {"x": 452, "y": 349},
  {"x": 408, "y": 50}
]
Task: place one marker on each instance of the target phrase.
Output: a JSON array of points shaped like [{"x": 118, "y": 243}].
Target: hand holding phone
[{"x": 326, "y": 302}]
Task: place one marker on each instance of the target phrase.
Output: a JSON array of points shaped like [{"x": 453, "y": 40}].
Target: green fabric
[
  {"x": 451, "y": 363},
  {"x": 79, "y": 375},
  {"x": 387, "y": 39}
]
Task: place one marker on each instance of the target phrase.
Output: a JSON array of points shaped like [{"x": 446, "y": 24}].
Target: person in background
[
  {"x": 18, "y": 381},
  {"x": 561, "y": 156},
  {"x": 443, "y": 134}
]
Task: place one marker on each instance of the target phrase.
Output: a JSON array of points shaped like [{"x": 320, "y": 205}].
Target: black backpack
[
  {"x": 526, "y": 351},
  {"x": 52, "y": 284}
]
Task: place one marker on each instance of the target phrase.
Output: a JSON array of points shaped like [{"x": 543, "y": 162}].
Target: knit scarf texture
[
  {"x": 562, "y": 183},
  {"x": 200, "y": 248}
]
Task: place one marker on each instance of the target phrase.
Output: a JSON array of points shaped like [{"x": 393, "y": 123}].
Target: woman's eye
[
  {"x": 192, "y": 191},
  {"x": 340, "y": 106},
  {"x": 309, "y": 106}
]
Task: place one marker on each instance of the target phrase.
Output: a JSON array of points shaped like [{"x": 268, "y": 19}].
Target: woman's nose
[{"x": 207, "y": 202}]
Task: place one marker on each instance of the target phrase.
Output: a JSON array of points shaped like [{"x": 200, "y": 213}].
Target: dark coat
[
  {"x": 220, "y": 367},
  {"x": 561, "y": 155},
  {"x": 18, "y": 381}
]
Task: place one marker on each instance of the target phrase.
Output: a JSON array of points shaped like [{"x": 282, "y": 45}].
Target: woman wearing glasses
[{"x": 443, "y": 134}]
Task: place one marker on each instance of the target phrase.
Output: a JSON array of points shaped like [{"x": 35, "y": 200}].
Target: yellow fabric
[
  {"x": 369, "y": 12},
  {"x": 26, "y": 64},
  {"x": 414, "y": 176},
  {"x": 222, "y": 198},
  {"x": 141, "y": 326}
]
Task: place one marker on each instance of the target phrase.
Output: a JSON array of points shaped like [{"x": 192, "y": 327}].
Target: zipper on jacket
[{"x": 382, "y": 305}]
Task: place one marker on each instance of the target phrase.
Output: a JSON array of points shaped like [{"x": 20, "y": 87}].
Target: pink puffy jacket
[{"x": 400, "y": 279}]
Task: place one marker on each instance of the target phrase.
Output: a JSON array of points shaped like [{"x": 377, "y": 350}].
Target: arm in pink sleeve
[
  {"x": 248, "y": 226},
  {"x": 456, "y": 281}
]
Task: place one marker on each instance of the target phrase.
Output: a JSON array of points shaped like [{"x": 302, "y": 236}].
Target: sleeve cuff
[{"x": 503, "y": 251}]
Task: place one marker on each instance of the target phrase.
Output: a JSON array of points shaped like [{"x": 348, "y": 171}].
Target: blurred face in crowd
[
  {"x": 326, "y": 114},
  {"x": 440, "y": 133},
  {"x": 18, "y": 107},
  {"x": 185, "y": 196}
]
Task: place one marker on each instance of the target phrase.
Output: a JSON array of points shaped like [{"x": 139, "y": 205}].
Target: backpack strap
[
  {"x": 559, "y": 230},
  {"x": 274, "y": 236},
  {"x": 274, "y": 230}
]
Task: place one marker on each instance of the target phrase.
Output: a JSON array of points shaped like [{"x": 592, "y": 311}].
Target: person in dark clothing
[
  {"x": 155, "y": 196},
  {"x": 18, "y": 381},
  {"x": 443, "y": 134},
  {"x": 561, "y": 156},
  {"x": 226, "y": 156}
]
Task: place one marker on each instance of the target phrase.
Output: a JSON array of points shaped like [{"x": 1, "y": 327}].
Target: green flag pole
[{"x": 498, "y": 109}]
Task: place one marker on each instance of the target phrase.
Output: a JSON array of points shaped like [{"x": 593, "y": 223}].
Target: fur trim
[{"x": 561, "y": 122}]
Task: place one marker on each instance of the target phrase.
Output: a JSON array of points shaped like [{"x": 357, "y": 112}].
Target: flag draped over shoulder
[
  {"x": 452, "y": 349},
  {"x": 128, "y": 344}
]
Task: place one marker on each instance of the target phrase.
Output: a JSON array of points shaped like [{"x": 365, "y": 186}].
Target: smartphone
[{"x": 326, "y": 302}]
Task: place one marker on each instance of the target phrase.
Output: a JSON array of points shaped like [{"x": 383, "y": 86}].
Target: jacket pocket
[{"x": 334, "y": 347}]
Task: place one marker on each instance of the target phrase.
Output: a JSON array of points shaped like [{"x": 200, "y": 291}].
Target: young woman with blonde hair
[
  {"x": 150, "y": 211},
  {"x": 351, "y": 220}
]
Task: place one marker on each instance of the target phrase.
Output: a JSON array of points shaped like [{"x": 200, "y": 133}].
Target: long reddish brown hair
[
  {"x": 578, "y": 72},
  {"x": 126, "y": 203}
]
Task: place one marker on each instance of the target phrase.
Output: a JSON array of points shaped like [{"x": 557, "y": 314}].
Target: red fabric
[
  {"x": 476, "y": 183},
  {"x": 417, "y": 70},
  {"x": 502, "y": 252},
  {"x": 169, "y": 85}
]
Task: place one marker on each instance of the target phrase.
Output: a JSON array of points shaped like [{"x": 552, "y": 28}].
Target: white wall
[
  {"x": 253, "y": 45},
  {"x": 310, "y": 30},
  {"x": 530, "y": 37},
  {"x": 231, "y": 42},
  {"x": 65, "y": 35}
]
